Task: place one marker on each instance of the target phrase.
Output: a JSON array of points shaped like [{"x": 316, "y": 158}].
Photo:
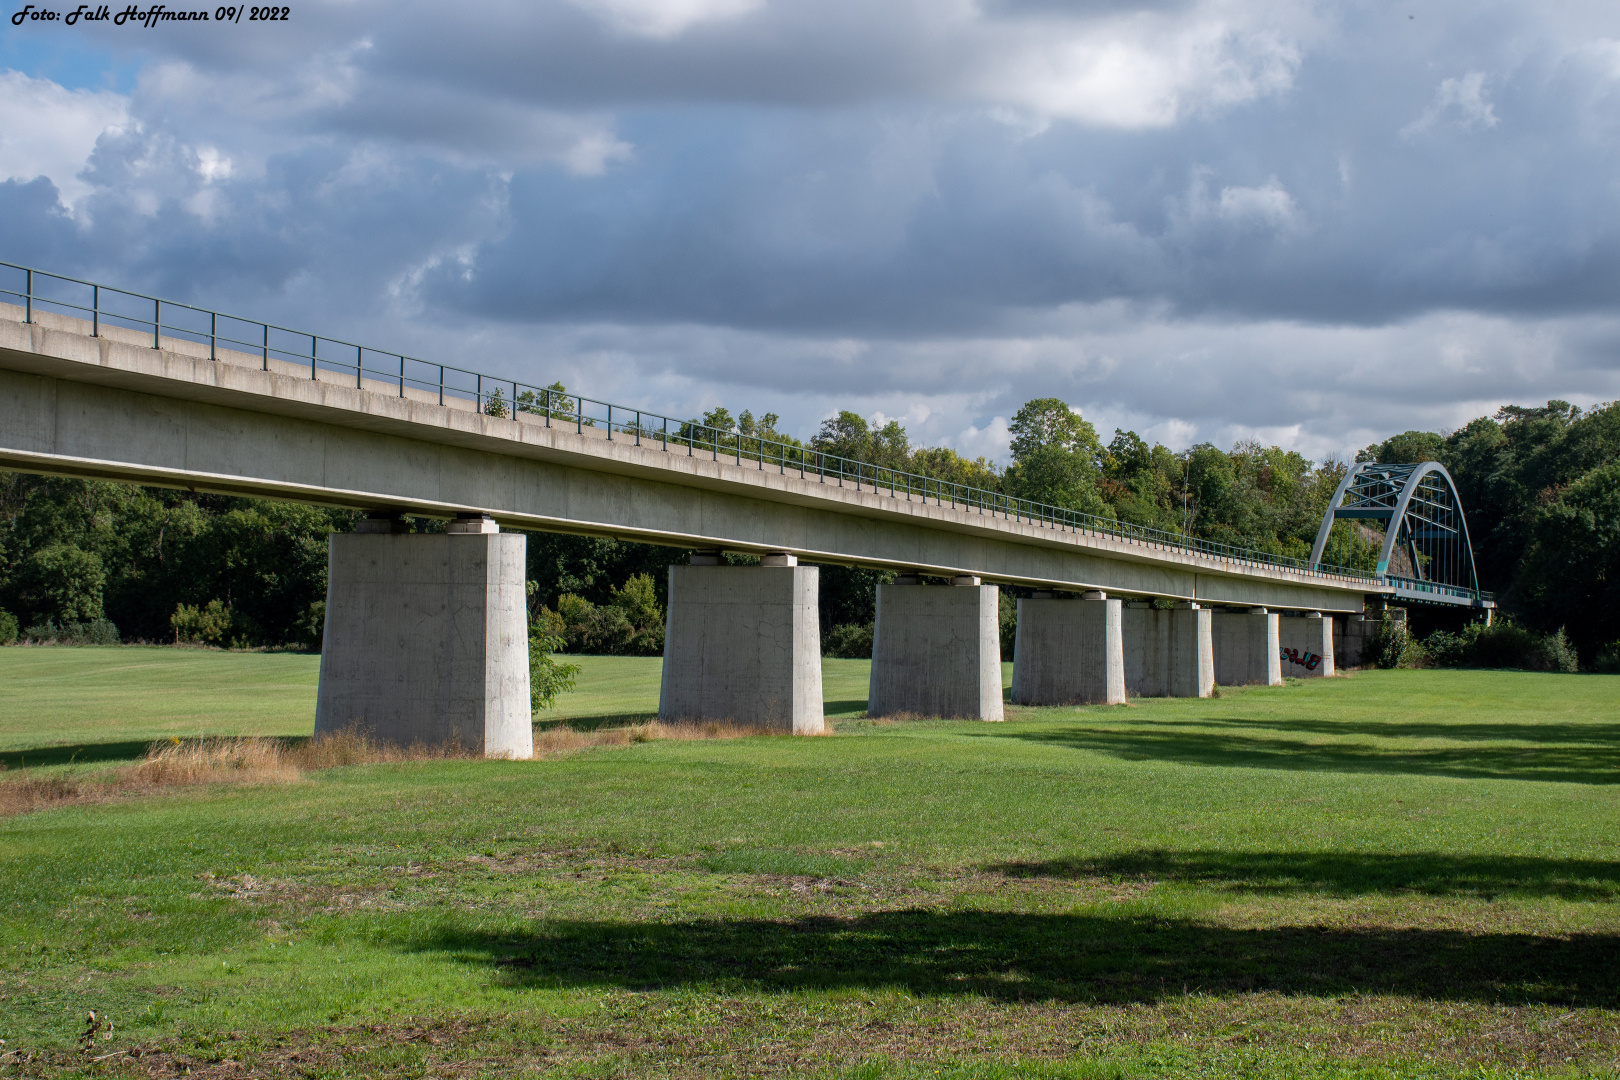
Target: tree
[
  {"x": 64, "y": 583},
  {"x": 1056, "y": 458},
  {"x": 848, "y": 435},
  {"x": 1571, "y": 573},
  {"x": 1050, "y": 423}
]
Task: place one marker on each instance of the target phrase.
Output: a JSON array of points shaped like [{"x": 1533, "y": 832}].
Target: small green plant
[
  {"x": 495, "y": 404},
  {"x": 210, "y": 624},
  {"x": 1608, "y": 659},
  {"x": 8, "y": 628},
  {"x": 548, "y": 676}
]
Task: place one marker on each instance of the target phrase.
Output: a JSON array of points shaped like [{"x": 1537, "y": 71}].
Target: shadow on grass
[
  {"x": 847, "y": 707},
  {"x": 98, "y": 753},
  {"x": 597, "y": 723},
  {"x": 75, "y": 754},
  {"x": 1345, "y": 874},
  {"x": 1042, "y": 957},
  {"x": 1585, "y": 764},
  {"x": 1600, "y": 735}
]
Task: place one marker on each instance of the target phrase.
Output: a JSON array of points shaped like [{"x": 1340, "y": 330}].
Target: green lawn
[{"x": 1399, "y": 873}]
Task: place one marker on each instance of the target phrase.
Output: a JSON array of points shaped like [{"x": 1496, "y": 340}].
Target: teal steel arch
[{"x": 1421, "y": 511}]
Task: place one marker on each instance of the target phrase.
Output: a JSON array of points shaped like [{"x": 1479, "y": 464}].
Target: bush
[
  {"x": 1608, "y": 659},
  {"x": 1448, "y": 650},
  {"x": 548, "y": 677},
  {"x": 8, "y": 628},
  {"x": 849, "y": 642},
  {"x": 210, "y": 624},
  {"x": 1501, "y": 645},
  {"x": 1556, "y": 654},
  {"x": 1392, "y": 646},
  {"x": 631, "y": 624},
  {"x": 94, "y": 632},
  {"x": 311, "y": 627}
]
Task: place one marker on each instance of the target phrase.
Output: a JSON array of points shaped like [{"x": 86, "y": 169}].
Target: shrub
[
  {"x": 210, "y": 623},
  {"x": 1608, "y": 659},
  {"x": 8, "y": 628},
  {"x": 94, "y": 632},
  {"x": 849, "y": 642},
  {"x": 1502, "y": 645},
  {"x": 548, "y": 677},
  {"x": 1393, "y": 646},
  {"x": 631, "y": 624},
  {"x": 311, "y": 626},
  {"x": 1450, "y": 650},
  {"x": 1555, "y": 653}
]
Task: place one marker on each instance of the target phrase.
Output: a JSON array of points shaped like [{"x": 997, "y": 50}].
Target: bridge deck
[{"x": 112, "y": 406}]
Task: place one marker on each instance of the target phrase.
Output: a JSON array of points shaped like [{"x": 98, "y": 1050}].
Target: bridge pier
[
  {"x": 426, "y": 637},
  {"x": 1168, "y": 653},
  {"x": 936, "y": 650},
  {"x": 1306, "y": 645},
  {"x": 743, "y": 643},
  {"x": 1069, "y": 652},
  {"x": 1247, "y": 648}
]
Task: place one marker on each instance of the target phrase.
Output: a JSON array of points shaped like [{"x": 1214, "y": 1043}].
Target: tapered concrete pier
[
  {"x": 427, "y": 638},
  {"x": 1247, "y": 648},
  {"x": 1168, "y": 652},
  {"x": 1306, "y": 643},
  {"x": 743, "y": 643},
  {"x": 1069, "y": 652},
  {"x": 936, "y": 650}
]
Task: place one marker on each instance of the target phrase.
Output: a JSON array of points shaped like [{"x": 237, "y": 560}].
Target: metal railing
[
  {"x": 407, "y": 376},
  {"x": 1418, "y": 585}
]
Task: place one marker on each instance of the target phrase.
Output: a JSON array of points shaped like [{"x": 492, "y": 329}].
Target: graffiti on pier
[{"x": 1307, "y": 660}]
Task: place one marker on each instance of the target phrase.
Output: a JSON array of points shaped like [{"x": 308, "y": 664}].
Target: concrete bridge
[{"x": 426, "y": 634}]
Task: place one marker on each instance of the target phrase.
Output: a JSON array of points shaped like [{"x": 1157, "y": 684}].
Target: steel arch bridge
[{"x": 1423, "y": 554}]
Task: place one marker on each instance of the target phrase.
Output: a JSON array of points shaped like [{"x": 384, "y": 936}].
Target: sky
[{"x": 1312, "y": 224}]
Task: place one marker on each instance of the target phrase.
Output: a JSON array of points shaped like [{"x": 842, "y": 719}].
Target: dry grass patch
[{"x": 177, "y": 763}]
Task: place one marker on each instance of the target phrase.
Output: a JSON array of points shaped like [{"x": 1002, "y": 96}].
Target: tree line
[{"x": 1541, "y": 487}]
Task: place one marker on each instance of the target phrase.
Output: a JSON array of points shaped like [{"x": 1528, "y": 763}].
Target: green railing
[{"x": 327, "y": 358}]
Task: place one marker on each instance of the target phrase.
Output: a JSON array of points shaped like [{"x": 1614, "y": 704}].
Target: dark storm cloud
[{"x": 1193, "y": 217}]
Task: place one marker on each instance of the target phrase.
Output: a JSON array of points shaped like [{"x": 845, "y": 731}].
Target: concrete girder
[{"x": 75, "y": 405}]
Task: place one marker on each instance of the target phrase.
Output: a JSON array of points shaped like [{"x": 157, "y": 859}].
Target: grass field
[{"x": 1399, "y": 873}]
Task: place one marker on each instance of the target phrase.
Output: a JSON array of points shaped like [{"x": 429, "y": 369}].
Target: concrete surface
[
  {"x": 1247, "y": 648},
  {"x": 1168, "y": 653},
  {"x": 1306, "y": 643},
  {"x": 427, "y": 641},
  {"x": 112, "y": 407},
  {"x": 1068, "y": 652},
  {"x": 936, "y": 651},
  {"x": 743, "y": 643}
]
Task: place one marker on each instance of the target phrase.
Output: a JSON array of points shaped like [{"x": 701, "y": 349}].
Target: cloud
[
  {"x": 50, "y": 131},
  {"x": 665, "y": 18},
  {"x": 1460, "y": 102},
  {"x": 1199, "y": 219}
]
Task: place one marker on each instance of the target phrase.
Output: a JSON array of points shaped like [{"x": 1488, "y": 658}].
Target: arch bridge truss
[{"x": 1412, "y": 517}]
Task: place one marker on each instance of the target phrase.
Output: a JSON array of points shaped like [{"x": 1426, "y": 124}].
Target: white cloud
[
  {"x": 1460, "y": 102},
  {"x": 594, "y": 152},
  {"x": 665, "y": 18},
  {"x": 50, "y": 131},
  {"x": 1141, "y": 69}
]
